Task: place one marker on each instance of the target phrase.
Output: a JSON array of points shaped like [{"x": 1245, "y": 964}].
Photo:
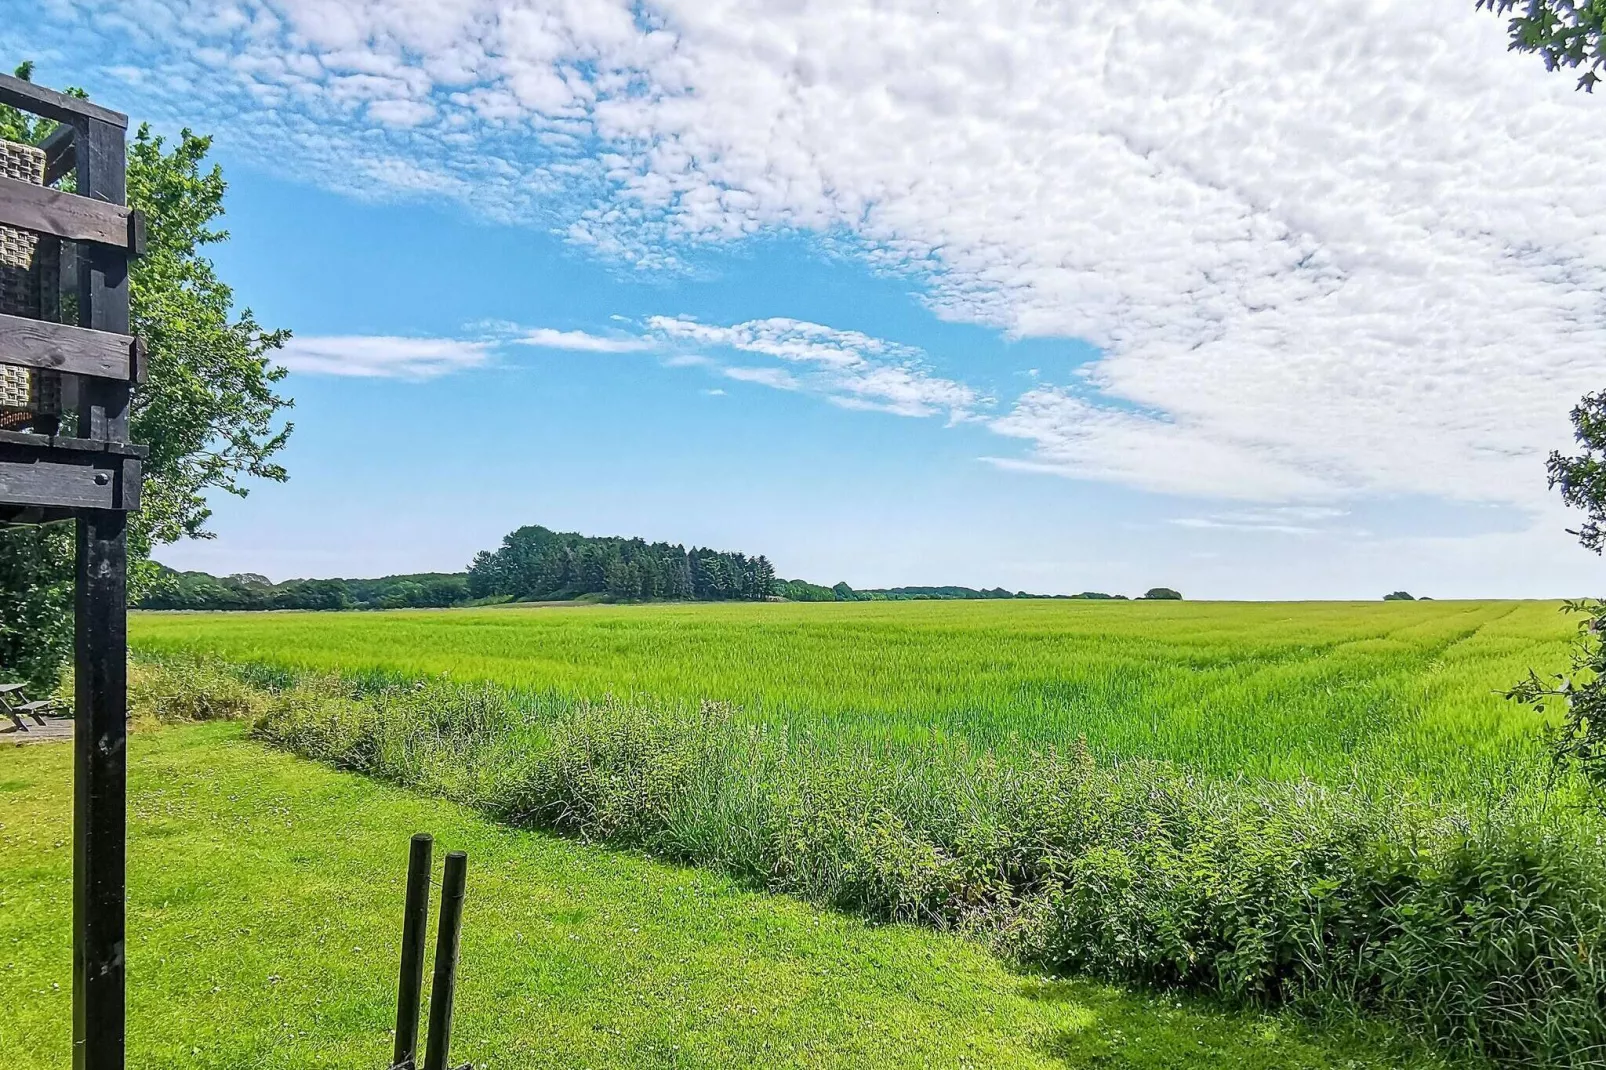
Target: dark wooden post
[
  {"x": 438, "y": 1046},
  {"x": 415, "y": 918},
  {"x": 89, "y": 474},
  {"x": 101, "y": 668}
]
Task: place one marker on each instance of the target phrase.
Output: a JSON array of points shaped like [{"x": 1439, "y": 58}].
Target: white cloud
[
  {"x": 1328, "y": 250},
  {"x": 370, "y": 356},
  {"x": 1072, "y": 436},
  {"x": 849, "y": 368},
  {"x": 787, "y": 339},
  {"x": 401, "y": 112},
  {"x": 1280, "y": 520},
  {"x": 1211, "y": 523},
  {"x": 580, "y": 341},
  {"x": 772, "y": 377}
]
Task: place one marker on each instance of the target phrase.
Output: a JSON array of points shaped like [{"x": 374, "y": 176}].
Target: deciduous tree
[{"x": 210, "y": 411}]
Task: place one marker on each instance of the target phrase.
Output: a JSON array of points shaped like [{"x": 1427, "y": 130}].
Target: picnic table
[{"x": 15, "y": 704}]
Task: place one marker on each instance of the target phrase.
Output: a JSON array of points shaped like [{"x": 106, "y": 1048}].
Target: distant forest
[
  {"x": 198, "y": 590},
  {"x": 536, "y": 564},
  {"x": 804, "y": 591}
]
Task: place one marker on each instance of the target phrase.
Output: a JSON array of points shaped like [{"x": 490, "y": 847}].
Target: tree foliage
[
  {"x": 209, "y": 410},
  {"x": 804, "y": 591},
  {"x": 1582, "y": 478},
  {"x": 36, "y": 597},
  {"x": 1565, "y": 33},
  {"x": 1580, "y": 692},
  {"x": 535, "y": 563},
  {"x": 200, "y": 591}
]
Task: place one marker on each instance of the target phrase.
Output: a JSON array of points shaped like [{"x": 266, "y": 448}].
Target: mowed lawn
[
  {"x": 264, "y": 920},
  {"x": 1374, "y": 692}
]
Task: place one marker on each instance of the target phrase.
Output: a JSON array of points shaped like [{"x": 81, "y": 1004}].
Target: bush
[
  {"x": 190, "y": 689},
  {"x": 1164, "y": 594},
  {"x": 1399, "y": 596},
  {"x": 1484, "y": 934}
]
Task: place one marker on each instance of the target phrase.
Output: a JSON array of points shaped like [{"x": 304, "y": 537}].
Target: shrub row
[{"x": 1484, "y": 934}]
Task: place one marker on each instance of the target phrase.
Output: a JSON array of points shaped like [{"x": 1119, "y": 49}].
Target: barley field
[{"x": 1343, "y": 693}]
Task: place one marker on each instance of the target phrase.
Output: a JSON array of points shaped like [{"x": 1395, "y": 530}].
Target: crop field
[
  {"x": 1345, "y": 693},
  {"x": 1322, "y": 806}
]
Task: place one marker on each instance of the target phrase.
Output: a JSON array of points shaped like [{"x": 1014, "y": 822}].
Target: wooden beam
[
  {"x": 53, "y": 105},
  {"x": 61, "y": 153},
  {"x": 103, "y": 404},
  {"x": 58, "y": 347},
  {"x": 69, "y": 486},
  {"x": 25, "y": 445},
  {"x": 63, "y": 215}
]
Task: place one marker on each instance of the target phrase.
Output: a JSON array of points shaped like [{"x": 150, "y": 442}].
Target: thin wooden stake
[
  {"x": 415, "y": 919},
  {"x": 445, "y": 984}
]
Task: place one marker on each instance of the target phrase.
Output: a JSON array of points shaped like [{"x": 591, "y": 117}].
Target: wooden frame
[
  {"x": 63, "y": 348},
  {"x": 65, "y": 215},
  {"x": 93, "y": 479}
]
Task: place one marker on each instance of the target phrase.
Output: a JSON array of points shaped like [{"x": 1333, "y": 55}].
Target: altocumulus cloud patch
[{"x": 1327, "y": 251}]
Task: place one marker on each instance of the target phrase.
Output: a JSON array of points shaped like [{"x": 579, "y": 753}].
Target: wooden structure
[{"x": 79, "y": 466}]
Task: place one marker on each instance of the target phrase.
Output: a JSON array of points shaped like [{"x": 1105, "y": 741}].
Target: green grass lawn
[
  {"x": 265, "y": 894},
  {"x": 1377, "y": 692}
]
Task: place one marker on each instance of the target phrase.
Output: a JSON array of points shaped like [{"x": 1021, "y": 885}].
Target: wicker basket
[{"x": 25, "y": 394}]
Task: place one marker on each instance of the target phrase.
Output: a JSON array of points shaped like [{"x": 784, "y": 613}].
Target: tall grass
[
  {"x": 1348, "y": 694},
  {"x": 1481, "y": 930},
  {"x": 1321, "y": 805}
]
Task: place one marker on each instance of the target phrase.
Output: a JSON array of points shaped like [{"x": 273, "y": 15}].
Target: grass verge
[
  {"x": 264, "y": 916},
  {"x": 1479, "y": 931}
]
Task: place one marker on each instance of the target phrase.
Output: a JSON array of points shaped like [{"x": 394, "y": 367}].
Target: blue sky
[{"x": 1004, "y": 313}]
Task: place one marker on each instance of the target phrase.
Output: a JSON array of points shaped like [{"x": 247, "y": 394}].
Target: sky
[{"x": 1246, "y": 298}]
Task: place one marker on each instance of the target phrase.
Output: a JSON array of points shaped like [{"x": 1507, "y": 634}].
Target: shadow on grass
[{"x": 1135, "y": 1028}]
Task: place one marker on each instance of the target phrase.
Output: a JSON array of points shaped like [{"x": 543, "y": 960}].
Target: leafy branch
[{"x": 1565, "y": 33}]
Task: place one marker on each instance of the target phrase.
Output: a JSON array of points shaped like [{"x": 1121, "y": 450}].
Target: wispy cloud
[
  {"x": 849, "y": 368},
  {"x": 382, "y": 357},
  {"x": 1279, "y": 520},
  {"x": 581, "y": 341},
  {"x": 771, "y": 377}
]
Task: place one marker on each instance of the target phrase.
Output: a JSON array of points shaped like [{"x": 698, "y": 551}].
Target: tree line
[
  {"x": 537, "y": 564},
  {"x": 804, "y": 591},
  {"x": 198, "y": 590}
]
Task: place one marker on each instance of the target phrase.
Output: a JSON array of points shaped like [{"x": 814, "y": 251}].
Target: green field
[
  {"x": 1324, "y": 806},
  {"x": 1340, "y": 692},
  {"x": 264, "y": 916}
]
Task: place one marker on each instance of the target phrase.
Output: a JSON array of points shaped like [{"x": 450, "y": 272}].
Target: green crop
[
  {"x": 1344, "y": 693},
  {"x": 1323, "y": 805}
]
